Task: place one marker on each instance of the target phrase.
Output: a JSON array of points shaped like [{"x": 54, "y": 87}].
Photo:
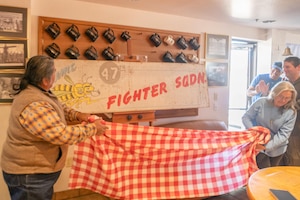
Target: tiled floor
[{"x": 239, "y": 194}]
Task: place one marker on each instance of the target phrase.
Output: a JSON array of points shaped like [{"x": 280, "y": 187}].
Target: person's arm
[
  {"x": 250, "y": 115},
  {"x": 42, "y": 120},
  {"x": 261, "y": 88},
  {"x": 251, "y": 91},
  {"x": 284, "y": 131},
  {"x": 72, "y": 115}
]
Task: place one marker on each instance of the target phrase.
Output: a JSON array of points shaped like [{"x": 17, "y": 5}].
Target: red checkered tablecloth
[{"x": 142, "y": 162}]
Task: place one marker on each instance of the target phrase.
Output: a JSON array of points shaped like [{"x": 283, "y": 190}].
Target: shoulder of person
[
  {"x": 263, "y": 75},
  {"x": 261, "y": 101},
  {"x": 289, "y": 111},
  {"x": 257, "y": 78},
  {"x": 260, "y": 77},
  {"x": 297, "y": 82}
]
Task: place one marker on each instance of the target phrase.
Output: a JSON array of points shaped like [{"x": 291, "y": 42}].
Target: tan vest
[{"x": 24, "y": 153}]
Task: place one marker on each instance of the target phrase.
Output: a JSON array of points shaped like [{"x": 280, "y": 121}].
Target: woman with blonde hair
[{"x": 276, "y": 112}]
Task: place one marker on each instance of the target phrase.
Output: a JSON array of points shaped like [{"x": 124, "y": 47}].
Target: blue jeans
[{"x": 31, "y": 186}]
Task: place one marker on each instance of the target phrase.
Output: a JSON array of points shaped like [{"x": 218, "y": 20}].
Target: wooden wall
[{"x": 139, "y": 44}]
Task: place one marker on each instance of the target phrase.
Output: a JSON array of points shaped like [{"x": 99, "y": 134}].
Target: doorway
[{"x": 242, "y": 71}]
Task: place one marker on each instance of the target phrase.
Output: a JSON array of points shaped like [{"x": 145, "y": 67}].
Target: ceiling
[{"x": 253, "y": 13}]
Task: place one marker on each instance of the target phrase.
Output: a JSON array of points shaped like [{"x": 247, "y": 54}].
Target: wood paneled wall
[{"x": 139, "y": 44}]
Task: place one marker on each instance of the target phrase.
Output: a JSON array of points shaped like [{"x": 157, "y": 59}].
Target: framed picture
[
  {"x": 13, "y": 54},
  {"x": 7, "y": 82},
  {"x": 217, "y": 73},
  {"x": 217, "y": 46},
  {"x": 13, "y": 22}
]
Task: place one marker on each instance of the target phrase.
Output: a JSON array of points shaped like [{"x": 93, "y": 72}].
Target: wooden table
[{"x": 281, "y": 177}]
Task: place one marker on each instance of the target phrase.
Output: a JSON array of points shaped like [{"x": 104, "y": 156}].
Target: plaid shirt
[{"x": 41, "y": 120}]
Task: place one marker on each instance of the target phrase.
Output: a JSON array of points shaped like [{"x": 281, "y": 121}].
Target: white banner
[{"x": 112, "y": 86}]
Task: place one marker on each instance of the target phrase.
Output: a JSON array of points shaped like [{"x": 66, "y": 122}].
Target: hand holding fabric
[
  {"x": 83, "y": 117},
  {"x": 259, "y": 147},
  {"x": 99, "y": 122}
]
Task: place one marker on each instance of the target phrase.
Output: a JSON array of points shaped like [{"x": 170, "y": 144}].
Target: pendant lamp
[{"x": 287, "y": 52}]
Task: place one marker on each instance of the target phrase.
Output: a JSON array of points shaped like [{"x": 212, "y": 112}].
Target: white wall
[
  {"x": 280, "y": 38},
  {"x": 5, "y": 108},
  {"x": 72, "y": 9},
  {"x": 264, "y": 56}
]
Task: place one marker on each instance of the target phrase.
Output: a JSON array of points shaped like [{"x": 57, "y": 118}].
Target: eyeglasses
[{"x": 283, "y": 98}]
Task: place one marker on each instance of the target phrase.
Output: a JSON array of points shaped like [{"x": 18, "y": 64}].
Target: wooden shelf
[
  {"x": 176, "y": 113},
  {"x": 134, "y": 117}
]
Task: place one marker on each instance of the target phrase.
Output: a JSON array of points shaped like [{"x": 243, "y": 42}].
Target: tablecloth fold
[{"x": 142, "y": 162}]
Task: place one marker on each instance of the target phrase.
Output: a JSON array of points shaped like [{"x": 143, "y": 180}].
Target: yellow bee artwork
[{"x": 74, "y": 94}]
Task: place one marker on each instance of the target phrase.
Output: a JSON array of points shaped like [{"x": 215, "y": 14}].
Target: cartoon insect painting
[{"x": 74, "y": 94}]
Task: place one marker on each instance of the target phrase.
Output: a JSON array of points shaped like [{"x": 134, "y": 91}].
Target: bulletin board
[{"x": 117, "y": 86}]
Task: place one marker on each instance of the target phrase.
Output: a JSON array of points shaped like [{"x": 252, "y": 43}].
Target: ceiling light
[{"x": 241, "y": 9}]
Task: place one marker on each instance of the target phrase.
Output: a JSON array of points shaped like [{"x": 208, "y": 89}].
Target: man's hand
[{"x": 264, "y": 88}]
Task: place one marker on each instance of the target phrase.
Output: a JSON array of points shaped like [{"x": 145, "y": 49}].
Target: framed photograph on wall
[
  {"x": 7, "y": 82},
  {"x": 13, "y": 22},
  {"x": 217, "y": 73},
  {"x": 13, "y": 54},
  {"x": 217, "y": 46}
]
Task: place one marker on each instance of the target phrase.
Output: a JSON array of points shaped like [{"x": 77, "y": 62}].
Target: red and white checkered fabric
[{"x": 142, "y": 162}]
